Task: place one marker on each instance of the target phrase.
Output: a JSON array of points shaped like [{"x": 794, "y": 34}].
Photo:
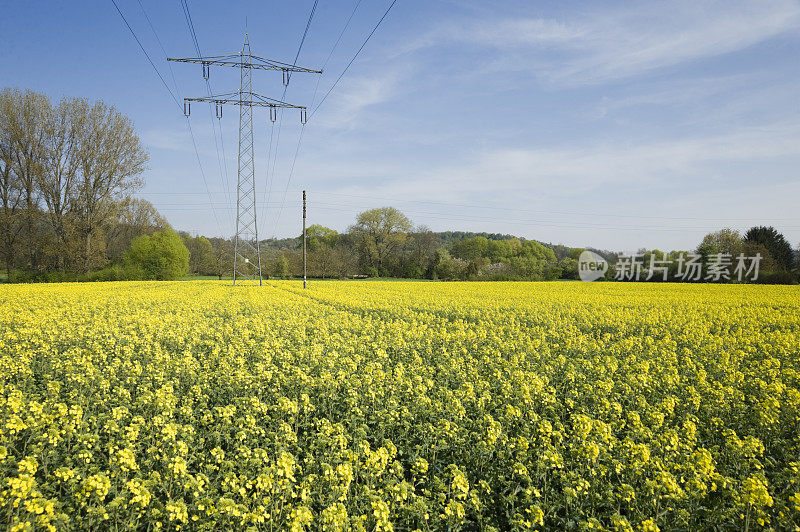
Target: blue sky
[{"x": 614, "y": 124}]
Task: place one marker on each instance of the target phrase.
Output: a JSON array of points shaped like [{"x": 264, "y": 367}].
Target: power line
[
  {"x": 542, "y": 211},
  {"x": 353, "y": 59},
  {"x": 190, "y": 24},
  {"x": 191, "y": 133},
  {"x": 160, "y": 44},
  {"x": 289, "y": 179},
  {"x": 542, "y": 223},
  {"x": 333, "y": 48},
  {"x": 177, "y": 89},
  {"x": 313, "y": 99},
  {"x": 152, "y": 64},
  {"x": 175, "y": 82},
  {"x": 270, "y": 155},
  {"x": 335, "y": 207},
  {"x": 533, "y": 211},
  {"x": 246, "y": 255},
  {"x": 223, "y": 175},
  {"x": 305, "y": 32},
  {"x": 203, "y": 175}
]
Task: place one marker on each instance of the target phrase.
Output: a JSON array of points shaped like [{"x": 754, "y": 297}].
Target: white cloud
[
  {"x": 354, "y": 95},
  {"x": 601, "y": 46},
  {"x": 580, "y": 171},
  {"x": 682, "y": 92},
  {"x": 594, "y": 166}
]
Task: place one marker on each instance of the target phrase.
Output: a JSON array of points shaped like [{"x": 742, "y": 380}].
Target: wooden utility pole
[{"x": 304, "y": 239}]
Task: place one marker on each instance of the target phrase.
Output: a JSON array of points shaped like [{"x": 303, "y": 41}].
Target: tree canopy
[
  {"x": 161, "y": 256},
  {"x": 777, "y": 245},
  {"x": 66, "y": 175}
]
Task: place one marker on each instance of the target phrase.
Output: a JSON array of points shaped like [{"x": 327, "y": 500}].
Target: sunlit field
[{"x": 378, "y": 405}]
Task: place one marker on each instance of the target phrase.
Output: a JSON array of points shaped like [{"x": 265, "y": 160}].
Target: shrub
[{"x": 161, "y": 256}]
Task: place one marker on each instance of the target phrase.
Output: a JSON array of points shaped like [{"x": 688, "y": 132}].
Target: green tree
[
  {"x": 777, "y": 245},
  {"x": 503, "y": 250},
  {"x": 449, "y": 268},
  {"x": 723, "y": 241},
  {"x": 378, "y": 233},
  {"x": 475, "y": 267},
  {"x": 471, "y": 248},
  {"x": 161, "y": 256},
  {"x": 569, "y": 268},
  {"x": 136, "y": 217},
  {"x": 280, "y": 266},
  {"x": 318, "y": 235},
  {"x": 202, "y": 259},
  {"x": 535, "y": 250}
]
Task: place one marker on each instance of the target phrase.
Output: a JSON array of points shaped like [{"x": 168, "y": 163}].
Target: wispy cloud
[
  {"x": 593, "y": 166},
  {"x": 601, "y": 46},
  {"x": 580, "y": 170},
  {"x": 354, "y": 95},
  {"x": 677, "y": 93},
  {"x": 666, "y": 121}
]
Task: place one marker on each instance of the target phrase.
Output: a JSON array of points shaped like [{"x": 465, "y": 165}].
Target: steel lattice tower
[
  {"x": 247, "y": 255},
  {"x": 246, "y": 251}
]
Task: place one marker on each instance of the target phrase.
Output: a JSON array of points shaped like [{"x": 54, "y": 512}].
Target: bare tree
[
  {"x": 10, "y": 191},
  {"x": 325, "y": 261},
  {"x": 65, "y": 174},
  {"x": 136, "y": 217},
  {"x": 58, "y": 179},
  {"x": 26, "y": 121},
  {"x": 111, "y": 158},
  {"x": 423, "y": 249}
]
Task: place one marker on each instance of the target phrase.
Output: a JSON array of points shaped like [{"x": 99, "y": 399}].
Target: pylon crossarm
[
  {"x": 235, "y": 60},
  {"x": 246, "y": 250},
  {"x": 254, "y": 100},
  {"x": 289, "y": 67}
]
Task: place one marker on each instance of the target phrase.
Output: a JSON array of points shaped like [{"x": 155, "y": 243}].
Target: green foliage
[
  {"x": 161, "y": 256},
  {"x": 509, "y": 259},
  {"x": 569, "y": 268},
  {"x": 378, "y": 234},
  {"x": 117, "y": 272},
  {"x": 471, "y": 248},
  {"x": 202, "y": 259},
  {"x": 723, "y": 241},
  {"x": 449, "y": 268},
  {"x": 535, "y": 250},
  {"x": 280, "y": 267},
  {"x": 777, "y": 245},
  {"x": 318, "y": 235}
]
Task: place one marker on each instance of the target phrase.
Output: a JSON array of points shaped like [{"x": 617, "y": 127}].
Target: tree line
[
  {"x": 68, "y": 172},
  {"x": 383, "y": 242}
]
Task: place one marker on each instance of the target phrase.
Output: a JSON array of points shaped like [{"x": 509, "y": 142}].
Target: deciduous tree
[{"x": 378, "y": 233}]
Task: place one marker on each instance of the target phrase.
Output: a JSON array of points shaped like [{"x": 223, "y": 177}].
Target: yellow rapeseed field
[{"x": 380, "y": 406}]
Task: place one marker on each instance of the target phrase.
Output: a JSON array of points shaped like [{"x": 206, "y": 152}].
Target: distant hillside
[{"x": 447, "y": 238}]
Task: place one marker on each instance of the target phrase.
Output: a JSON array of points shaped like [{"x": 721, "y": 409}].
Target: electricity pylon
[{"x": 246, "y": 251}]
